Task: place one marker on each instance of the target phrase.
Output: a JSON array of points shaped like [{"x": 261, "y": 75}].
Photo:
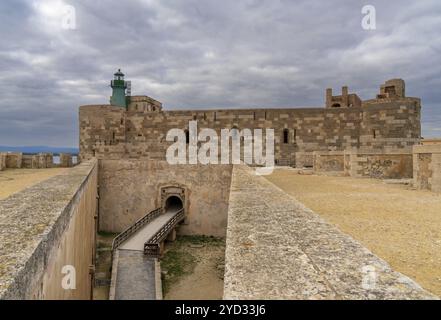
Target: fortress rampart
[
  {"x": 386, "y": 123},
  {"x": 46, "y": 227},
  {"x": 278, "y": 249}
]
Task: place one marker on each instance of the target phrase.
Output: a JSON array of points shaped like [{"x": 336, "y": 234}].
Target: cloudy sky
[{"x": 206, "y": 54}]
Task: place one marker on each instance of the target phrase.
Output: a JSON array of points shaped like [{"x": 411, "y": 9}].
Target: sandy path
[
  {"x": 400, "y": 225},
  {"x": 14, "y": 180}
]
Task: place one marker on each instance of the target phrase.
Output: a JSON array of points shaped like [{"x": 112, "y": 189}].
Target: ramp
[
  {"x": 135, "y": 276},
  {"x": 135, "y": 272}
]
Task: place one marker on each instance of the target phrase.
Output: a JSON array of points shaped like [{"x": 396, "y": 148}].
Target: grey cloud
[{"x": 201, "y": 54}]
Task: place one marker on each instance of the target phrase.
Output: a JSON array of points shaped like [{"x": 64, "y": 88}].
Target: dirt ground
[
  {"x": 397, "y": 223},
  {"x": 193, "y": 269},
  {"x": 103, "y": 266},
  {"x": 14, "y": 180}
]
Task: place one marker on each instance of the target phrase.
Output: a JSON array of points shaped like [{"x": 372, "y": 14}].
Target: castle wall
[
  {"x": 427, "y": 167},
  {"x": 100, "y": 126},
  {"x": 130, "y": 188},
  {"x": 389, "y": 125},
  {"x": 112, "y": 133},
  {"x": 52, "y": 225}
]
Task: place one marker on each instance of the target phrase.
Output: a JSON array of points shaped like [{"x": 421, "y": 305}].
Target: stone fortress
[
  {"x": 137, "y": 127},
  {"x": 275, "y": 247}
]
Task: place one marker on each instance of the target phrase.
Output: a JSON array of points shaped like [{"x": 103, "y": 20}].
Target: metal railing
[
  {"x": 152, "y": 246},
  {"x": 123, "y": 236}
]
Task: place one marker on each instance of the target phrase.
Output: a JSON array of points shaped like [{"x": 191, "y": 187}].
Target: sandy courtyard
[
  {"x": 14, "y": 180},
  {"x": 400, "y": 225}
]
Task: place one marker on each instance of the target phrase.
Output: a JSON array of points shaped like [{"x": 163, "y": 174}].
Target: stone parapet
[
  {"x": 427, "y": 167},
  {"x": 276, "y": 248},
  {"x": 44, "y": 228}
]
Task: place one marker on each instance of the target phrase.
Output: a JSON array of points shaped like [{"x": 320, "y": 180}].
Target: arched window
[
  {"x": 285, "y": 135},
  {"x": 336, "y": 105}
]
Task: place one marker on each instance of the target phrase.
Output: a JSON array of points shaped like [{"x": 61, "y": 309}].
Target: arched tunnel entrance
[{"x": 173, "y": 204}]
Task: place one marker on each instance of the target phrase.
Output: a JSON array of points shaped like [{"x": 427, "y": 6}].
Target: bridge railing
[
  {"x": 152, "y": 246},
  {"x": 123, "y": 236}
]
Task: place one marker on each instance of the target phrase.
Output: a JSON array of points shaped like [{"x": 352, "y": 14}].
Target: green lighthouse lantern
[{"x": 118, "y": 90}]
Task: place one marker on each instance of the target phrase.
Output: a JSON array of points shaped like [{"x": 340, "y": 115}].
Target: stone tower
[{"x": 119, "y": 86}]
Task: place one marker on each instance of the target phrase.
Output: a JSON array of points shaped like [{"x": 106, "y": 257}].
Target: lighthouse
[{"x": 119, "y": 87}]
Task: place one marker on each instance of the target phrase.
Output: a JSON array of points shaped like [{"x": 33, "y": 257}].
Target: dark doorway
[
  {"x": 173, "y": 203},
  {"x": 285, "y": 135}
]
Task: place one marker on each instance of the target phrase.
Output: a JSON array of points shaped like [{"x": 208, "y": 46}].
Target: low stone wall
[
  {"x": 46, "y": 228},
  {"x": 331, "y": 161},
  {"x": 427, "y": 167},
  {"x": 381, "y": 165},
  {"x": 276, "y": 248},
  {"x": 37, "y": 161},
  {"x": 2, "y": 161},
  {"x": 43, "y": 160},
  {"x": 304, "y": 159},
  {"x": 355, "y": 163},
  {"x": 18, "y": 160},
  {"x": 14, "y": 160},
  {"x": 65, "y": 160}
]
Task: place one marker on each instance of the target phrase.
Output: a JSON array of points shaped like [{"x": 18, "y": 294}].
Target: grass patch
[
  {"x": 177, "y": 263},
  {"x": 107, "y": 234},
  {"x": 178, "y": 260},
  {"x": 209, "y": 240},
  {"x": 104, "y": 239}
]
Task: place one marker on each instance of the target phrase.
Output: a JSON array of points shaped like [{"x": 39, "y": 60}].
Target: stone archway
[
  {"x": 173, "y": 203},
  {"x": 173, "y": 197}
]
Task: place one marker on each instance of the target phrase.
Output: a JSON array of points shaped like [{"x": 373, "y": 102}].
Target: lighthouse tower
[{"x": 119, "y": 87}]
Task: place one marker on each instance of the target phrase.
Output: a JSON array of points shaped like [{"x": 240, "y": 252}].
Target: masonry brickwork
[
  {"x": 427, "y": 167},
  {"x": 389, "y": 122}
]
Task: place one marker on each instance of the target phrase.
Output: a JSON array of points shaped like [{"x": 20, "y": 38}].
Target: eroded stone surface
[
  {"x": 279, "y": 249},
  {"x": 31, "y": 222}
]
